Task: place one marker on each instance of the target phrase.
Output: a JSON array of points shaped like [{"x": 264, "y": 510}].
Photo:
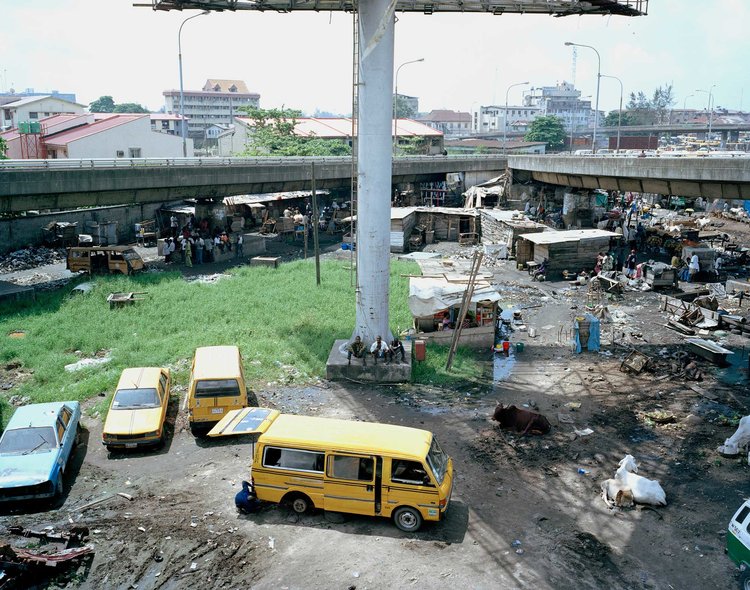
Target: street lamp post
[
  {"x": 598, "y": 80},
  {"x": 183, "y": 125},
  {"x": 505, "y": 115},
  {"x": 710, "y": 108},
  {"x": 619, "y": 112},
  {"x": 395, "y": 100}
]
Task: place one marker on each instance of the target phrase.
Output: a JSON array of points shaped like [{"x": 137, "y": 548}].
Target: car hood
[
  {"x": 24, "y": 470},
  {"x": 134, "y": 421}
]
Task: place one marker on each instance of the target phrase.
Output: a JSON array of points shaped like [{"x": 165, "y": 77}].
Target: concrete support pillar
[
  {"x": 376, "y": 33},
  {"x": 724, "y": 136}
]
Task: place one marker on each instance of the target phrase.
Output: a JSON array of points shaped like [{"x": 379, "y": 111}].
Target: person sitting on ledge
[
  {"x": 396, "y": 347},
  {"x": 357, "y": 349},
  {"x": 379, "y": 349}
]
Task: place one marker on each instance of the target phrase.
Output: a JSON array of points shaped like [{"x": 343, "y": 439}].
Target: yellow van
[
  {"x": 138, "y": 409},
  {"x": 345, "y": 466},
  {"x": 104, "y": 259},
  {"x": 217, "y": 385}
]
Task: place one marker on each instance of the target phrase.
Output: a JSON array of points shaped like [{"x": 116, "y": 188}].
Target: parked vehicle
[
  {"x": 217, "y": 385},
  {"x": 738, "y": 543},
  {"x": 138, "y": 409},
  {"x": 345, "y": 466},
  {"x": 35, "y": 449},
  {"x": 104, "y": 259}
]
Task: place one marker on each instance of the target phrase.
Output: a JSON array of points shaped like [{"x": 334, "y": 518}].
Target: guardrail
[{"x": 67, "y": 164}]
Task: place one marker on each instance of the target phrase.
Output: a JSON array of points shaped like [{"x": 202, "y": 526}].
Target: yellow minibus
[
  {"x": 217, "y": 385},
  {"x": 345, "y": 466}
]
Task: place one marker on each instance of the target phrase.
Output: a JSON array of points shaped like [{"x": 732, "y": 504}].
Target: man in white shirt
[
  {"x": 379, "y": 349},
  {"x": 173, "y": 225},
  {"x": 694, "y": 266},
  {"x": 199, "y": 245}
]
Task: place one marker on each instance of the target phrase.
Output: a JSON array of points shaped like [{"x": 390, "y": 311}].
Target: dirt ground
[{"x": 526, "y": 512}]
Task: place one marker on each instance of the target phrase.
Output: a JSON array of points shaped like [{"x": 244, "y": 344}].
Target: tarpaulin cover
[
  {"x": 594, "y": 339},
  {"x": 428, "y": 296}
]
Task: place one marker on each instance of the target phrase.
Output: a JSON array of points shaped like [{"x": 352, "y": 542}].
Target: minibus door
[{"x": 350, "y": 483}]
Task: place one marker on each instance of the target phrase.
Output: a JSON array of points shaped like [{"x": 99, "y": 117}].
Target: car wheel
[
  {"x": 407, "y": 519},
  {"x": 79, "y": 435},
  {"x": 745, "y": 579},
  {"x": 252, "y": 399},
  {"x": 300, "y": 503},
  {"x": 59, "y": 489}
]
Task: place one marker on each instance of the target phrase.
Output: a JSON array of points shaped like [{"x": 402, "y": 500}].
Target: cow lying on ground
[{"x": 521, "y": 420}]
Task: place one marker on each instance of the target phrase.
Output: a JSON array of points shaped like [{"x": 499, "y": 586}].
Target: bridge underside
[{"x": 686, "y": 188}]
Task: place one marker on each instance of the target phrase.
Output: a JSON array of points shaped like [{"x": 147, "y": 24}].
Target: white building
[
  {"x": 34, "y": 108},
  {"x": 493, "y": 118},
  {"x": 564, "y": 102},
  {"x": 166, "y": 123},
  {"x": 100, "y": 135},
  {"x": 217, "y": 103},
  {"x": 451, "y": 123}
]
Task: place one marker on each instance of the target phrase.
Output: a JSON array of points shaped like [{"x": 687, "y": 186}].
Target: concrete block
[
  {"x": 272, "y": 261},
  {"x": 338, "y": 367}
]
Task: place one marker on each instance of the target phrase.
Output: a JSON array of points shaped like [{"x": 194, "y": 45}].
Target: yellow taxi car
[{"x": 138, "y": 409}]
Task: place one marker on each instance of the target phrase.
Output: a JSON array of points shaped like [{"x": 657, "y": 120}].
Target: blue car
[{"x": 35, "y": 448}]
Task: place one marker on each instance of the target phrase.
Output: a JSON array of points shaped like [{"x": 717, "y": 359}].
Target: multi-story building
[
  {"x": 409, "y": 102},
  {"x": 217, "y": 103},
  {"x": 166, "y": 123},
  {"x": 563, "y": 101},
  {"x": 493, "y": 118},
  {"x": 34, "y": 108},
  {"x": 451, "y": 123}
]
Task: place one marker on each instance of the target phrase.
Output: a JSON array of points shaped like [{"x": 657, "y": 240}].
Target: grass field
[{"x": 283, "y": 323}]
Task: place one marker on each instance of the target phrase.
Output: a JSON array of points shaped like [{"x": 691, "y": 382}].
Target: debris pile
[{"x": 31, "y": 258}]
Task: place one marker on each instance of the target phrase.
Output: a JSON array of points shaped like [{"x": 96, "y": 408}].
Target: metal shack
[
  {"x": 504, "y": 227},
  {"x": 573, "y": 250}
]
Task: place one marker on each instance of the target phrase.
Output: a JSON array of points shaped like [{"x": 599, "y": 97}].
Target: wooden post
[{"x": 316, "y": 244}]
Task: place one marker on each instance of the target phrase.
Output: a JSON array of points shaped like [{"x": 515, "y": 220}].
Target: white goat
[
  {"x": 739, "y": 440},
  {"x": 616, "y": 493},
  {"x": 645, "y": 491}
]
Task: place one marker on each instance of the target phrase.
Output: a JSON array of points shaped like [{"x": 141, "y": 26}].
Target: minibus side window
[
  {"x": 742, "y": 515},
  {"x": 345, "y": 467},
  {"x": 293, "y": 459},
  {"x": 410, "y": 472}
]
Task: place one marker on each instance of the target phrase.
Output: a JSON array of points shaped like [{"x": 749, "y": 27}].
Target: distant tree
[
  {"x": 3, "y": 149},
  {"x": 548, "y": 129},
  {"x": 404, "y": 110},
  {"x": 662, "y": 102},
  {"x": 654, "y": 110},
  {"x": 272, "y": 134},
  {"x": 130, "y": 107},
  {"x": 612, "y": 117},
  {"x": 103, "y": 104}
]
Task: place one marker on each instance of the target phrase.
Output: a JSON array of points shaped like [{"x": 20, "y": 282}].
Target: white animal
[
  {"x": 739, "y": 440},
  {"x": 616, "y": 493},
  {"x": 645, "y": 491}
]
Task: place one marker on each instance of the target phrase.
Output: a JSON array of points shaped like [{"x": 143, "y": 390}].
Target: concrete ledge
[
  {"x": 338, "y": 367},
  {"x": 11, "y": 292}
]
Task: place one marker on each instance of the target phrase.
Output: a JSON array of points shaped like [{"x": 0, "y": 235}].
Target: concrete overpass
[
  {"x": 713, "y": 177},
  {"x": 66, "y": 184}
]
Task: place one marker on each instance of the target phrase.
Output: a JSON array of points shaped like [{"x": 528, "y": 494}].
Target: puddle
[
  {"x": 207, "y": 279},
  {"x": 736, "y": 372},
  {"x": 502, "y": 366}
]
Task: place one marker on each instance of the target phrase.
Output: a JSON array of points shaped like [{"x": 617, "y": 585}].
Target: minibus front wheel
[
  {"x": 407, "y": 519},
  {"x": 299, "y": 503}
]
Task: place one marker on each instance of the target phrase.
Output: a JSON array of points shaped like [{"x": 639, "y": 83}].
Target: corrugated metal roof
[
  {"x": 446, "y": 116},
  {"x": 32, "y": 99},
  {"x": 167, "y": 117},
  {"x": 111, "y": 120},
  {"x": 573, "y": 235}
]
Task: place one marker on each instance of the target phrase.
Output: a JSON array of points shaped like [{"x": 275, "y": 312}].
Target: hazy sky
[{"x": 303, "y": 60}]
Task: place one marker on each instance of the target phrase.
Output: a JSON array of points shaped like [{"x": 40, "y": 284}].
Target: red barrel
[
  {"x": 506, "y": 346},
  {"x": 420, "y": 350}
]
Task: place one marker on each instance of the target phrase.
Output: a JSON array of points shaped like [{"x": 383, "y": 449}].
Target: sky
[{"x": 303, "y": 60}]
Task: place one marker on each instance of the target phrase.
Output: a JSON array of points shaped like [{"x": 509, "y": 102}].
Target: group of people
[
  {"x": 378, "y": 349},
  {"x": 196, "y": 245}
]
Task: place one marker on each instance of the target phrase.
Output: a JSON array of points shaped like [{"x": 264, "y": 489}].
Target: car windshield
[
  {"x": 217, "y": 387},
  {"x": 438, "y": 461},
  {"x": 24, "y": 441},
  {"x": 127, "y": 399}
]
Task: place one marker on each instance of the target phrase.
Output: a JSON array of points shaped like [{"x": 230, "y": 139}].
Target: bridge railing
[{"x": 70, "y": 163}]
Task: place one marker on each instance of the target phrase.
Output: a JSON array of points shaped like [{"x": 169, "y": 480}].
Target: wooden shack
[
  {"x": 403, "y": 220},
  {"x": 450, "y": 224},
  {"x": 572, "y": 250},
  {"x": 504, "y": 227}
]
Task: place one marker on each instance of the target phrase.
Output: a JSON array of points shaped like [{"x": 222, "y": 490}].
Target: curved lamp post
[
  {"x": 395, "y": 99},
  {"x": 598, "y": 80},
  {"x": 183, "y": 124},
  {"x": 619, "y": 112},
  {"x": 505, "y": 117},
  {"x": 710, "y": 108}
]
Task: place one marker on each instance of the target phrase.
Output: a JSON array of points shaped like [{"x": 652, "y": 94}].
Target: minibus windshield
[
  {"x": 438, "y": 461},
  {"x": 217, "y": 387}
]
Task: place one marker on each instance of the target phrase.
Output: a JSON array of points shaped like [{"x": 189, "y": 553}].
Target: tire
[
  {"x": 300, "y": 503},
  {"x": 57, "y": 498},
  {"x": 252, "y": 399},
  {"x": 745, "y": 579},
  {"x": 407, "y": 519},
  {"x": 79, "y": 435}
]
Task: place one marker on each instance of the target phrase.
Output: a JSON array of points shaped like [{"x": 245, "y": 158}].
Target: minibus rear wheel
[
  {"x": 745, "y": 579},
  {"x": 299, "y": 503},
  {"x": 407, "y": 519}
]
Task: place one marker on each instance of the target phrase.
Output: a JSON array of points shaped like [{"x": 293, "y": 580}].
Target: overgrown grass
[
  {"x": 276, "y": 316},
  {"x": 466, "y": 368}
]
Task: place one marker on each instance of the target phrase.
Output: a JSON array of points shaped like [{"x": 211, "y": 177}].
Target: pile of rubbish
[{"x": 31, "y": 258}]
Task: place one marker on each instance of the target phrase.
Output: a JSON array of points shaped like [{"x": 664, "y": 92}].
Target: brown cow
[{"x": 521, "y": 420}]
